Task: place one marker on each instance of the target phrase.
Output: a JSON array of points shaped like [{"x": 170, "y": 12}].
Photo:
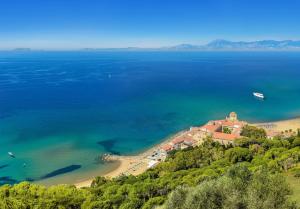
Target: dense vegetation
[
  {"x": 244, "y": 176},
  {"x": 239, "y": 188}
]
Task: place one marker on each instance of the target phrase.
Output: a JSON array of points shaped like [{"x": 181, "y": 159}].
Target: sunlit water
[{"x": 60, "y": 110}]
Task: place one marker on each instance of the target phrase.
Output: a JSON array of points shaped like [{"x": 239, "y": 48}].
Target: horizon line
[{"x": 162, "y": 47}]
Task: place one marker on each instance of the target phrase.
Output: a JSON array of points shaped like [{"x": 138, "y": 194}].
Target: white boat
[
  {"x": 258, "y": 95},
  {"x": 11, "y": 154}
]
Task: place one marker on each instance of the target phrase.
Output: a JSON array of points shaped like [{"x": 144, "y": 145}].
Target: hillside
[{"x": 247, "y": 175}]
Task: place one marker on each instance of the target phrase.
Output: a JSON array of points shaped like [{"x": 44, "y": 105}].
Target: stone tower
[{"x": 233, "y": 116}]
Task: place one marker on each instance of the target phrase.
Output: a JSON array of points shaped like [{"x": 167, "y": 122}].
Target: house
[
  {"x": 183, "y": 141},
  {"x": 167, "y": 148},
  {"x": 271, "y": 134},
  {"x": 189, "y": 141},
  {"x": 177, "y": 141},
  {"x": 224, "y": 138},
  {"x": 210, "y": 128},
  {"x": 224, "y": 131}
]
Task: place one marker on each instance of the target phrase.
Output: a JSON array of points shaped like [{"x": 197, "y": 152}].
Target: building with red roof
[
  {"x": 210, "y": 128},
  {"x": 167, "y": 147},
  {"x": 224, "y": 138},
  {"x": 217, "y": 128},
  {"x": 178, "y": 140}
]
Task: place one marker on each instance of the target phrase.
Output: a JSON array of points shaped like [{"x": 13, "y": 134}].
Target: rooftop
[
  {"x": 167, "y": 147},
  {"x": 210, "y": 127},
  {"x": 224, "y": 136}
]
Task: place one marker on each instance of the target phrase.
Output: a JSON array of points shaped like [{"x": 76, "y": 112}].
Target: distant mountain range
[
  {"x": 242, "y": 45},
  {"x": 221, "y": 45},
  {"x": 22, "y": 49},
  {"x": 216, "y": 45}
]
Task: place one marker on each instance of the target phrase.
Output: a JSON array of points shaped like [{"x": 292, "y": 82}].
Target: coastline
[
  {"x": 281, "y": 125},
  {"x": 133, "y": 165},
  {"x": 137, "y": 164}
]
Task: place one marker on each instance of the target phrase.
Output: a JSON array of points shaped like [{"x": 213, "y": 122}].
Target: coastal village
[{"x": 224, "y": 131}]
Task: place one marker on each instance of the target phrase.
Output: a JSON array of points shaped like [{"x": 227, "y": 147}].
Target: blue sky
[{"x": 146, "y": 23}]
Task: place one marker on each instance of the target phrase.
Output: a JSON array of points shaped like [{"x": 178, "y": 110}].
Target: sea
[{"x": 60, "y": 111}]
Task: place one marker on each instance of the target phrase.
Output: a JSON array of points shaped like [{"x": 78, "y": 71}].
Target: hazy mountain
[
  {"x": 221, "y": 44},
  {"x": 216, "y": 45},
  {"x": 22, "y": 49},
  {"x": 184, "y": 47},
  {"x": 254, "y": 45}
]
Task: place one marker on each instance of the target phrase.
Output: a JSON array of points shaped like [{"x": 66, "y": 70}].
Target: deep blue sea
[{"x": 60, "y": 110}]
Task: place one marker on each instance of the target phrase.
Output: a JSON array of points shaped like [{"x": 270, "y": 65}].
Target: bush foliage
[{"x": 242, "y": 176}]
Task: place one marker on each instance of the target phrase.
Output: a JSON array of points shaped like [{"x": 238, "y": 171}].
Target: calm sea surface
[{"x": 60, "y": 110}]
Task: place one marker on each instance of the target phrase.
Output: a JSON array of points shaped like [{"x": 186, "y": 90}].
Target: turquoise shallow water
[{"x": 60, "y": 110}]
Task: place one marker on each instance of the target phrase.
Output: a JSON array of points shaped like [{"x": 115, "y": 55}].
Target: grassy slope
[{"x": 295, "y": 185}]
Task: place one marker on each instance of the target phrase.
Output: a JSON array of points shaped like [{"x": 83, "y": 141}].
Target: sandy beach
[
  {"x": 136, "y": 165},
  {"x": 283, "y": 125},
  {"x": 133, "y": 165}
]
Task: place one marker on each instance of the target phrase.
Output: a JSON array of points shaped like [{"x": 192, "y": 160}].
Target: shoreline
[
  {"x": 137, "y": 164},
  {"x": 134, "y": 164},
  {"x": 281, "y": 125}
]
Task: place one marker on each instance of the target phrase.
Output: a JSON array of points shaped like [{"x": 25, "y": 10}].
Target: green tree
[
  {"x": 253, "y": 132},
  {"x": 268, "y": 192},
  {"x": 226, "y": 130},
  {"x": 238, "y": 189},
  {"x": 177, "y": 198},
  {"x": 238, "y": 154}
]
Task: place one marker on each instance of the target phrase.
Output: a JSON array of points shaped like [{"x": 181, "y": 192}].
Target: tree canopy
[{"x": 245, "y": 175}]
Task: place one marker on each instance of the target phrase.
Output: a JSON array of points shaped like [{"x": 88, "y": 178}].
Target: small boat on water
[
  {"x": 259, "y": 95},
  {"x": 11, "y": 154}
]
